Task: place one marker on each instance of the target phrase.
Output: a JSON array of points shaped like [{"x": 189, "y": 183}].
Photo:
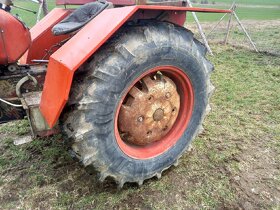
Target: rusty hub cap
[{"x": 149, "y": 110}]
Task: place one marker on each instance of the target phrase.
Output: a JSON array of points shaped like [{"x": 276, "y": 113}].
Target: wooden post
[
  {"x": 216, "y": 25},
  {"x": 43, "y": 6},
  {"x": 200, "y": 30},
  {"x": 243, "y": 28},
  {"x": 229, "y": 23},
  {"x": 39, "y": 11}
]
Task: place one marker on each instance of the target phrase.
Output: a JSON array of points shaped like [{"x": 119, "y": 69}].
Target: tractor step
[
  {"x": 12, "y": 82},
  {"x": 38, "y": 124}
]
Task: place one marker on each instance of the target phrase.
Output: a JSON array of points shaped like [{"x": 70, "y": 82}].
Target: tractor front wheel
[{"x": 141, "y": 101}]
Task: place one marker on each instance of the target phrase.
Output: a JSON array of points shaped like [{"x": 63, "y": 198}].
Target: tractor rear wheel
[{"x": 140, "y": 102}]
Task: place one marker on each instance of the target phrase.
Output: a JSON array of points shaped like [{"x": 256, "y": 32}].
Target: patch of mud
[{"x": 255, "y": 183}]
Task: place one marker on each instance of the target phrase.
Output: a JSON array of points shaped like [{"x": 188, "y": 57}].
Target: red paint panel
[
  {"x": 190, "y": 9},
  {"x": 81, "y": 46},
  {"x": 81, "y": 2},
  {"x": 14, "y": 38},
  {"x": 42, "y": 37},
  {"x": 67, "y": 59},
  {"x": 56, "y": 90},
  {"x": 73, "y": 54}
]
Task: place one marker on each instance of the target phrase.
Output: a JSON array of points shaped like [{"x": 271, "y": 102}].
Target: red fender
[
  {"x": 67, "y": 59},
  {"x": 14, "y": 38},
  {"x": 42, "y": 39}
]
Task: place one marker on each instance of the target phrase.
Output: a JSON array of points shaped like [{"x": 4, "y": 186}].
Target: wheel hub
[
  {"x": 158, "y": 114},
  {"x": 149, "y": 110}
]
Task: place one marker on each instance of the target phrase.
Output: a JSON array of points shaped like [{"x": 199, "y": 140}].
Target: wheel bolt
[
  {"x": 168, "y": 95},
  {"x": 150, "y": 98},
  {"x": 140, "y": 119}
]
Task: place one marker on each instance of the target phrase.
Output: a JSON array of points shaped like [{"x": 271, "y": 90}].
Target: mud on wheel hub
[
  {"x": 150, "y": 110},
  {"x": 154, "y": 112}
]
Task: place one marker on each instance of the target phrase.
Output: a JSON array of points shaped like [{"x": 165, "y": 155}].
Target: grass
[
  {"x": 243, "y": 12},
  {"x": 29, "y": 18},
  {"x": 265, "y": 34},
  {"x": 19, "y": 128},
  {"x": 238, "y": 151},
  {"x": 247, "y": 2},
  {"x": 245, "y": 113}
]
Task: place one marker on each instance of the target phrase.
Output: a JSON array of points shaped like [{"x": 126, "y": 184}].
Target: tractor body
[
  {"x": 15, "y": 38},
  {"x": 38, "y": 67},
  {"x": 62, "y": 55}
]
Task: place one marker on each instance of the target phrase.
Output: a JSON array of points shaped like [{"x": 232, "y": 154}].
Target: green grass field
[
  {"x": 234, "y": 163},
  {"x": 27, "y": 17},
  {"x": 248, "y": 2},
  {"x": 238, "y": 151},
  {"x": 244, "y": 13}
]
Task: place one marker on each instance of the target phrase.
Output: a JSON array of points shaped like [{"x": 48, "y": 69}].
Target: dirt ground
[{"x": 233, "y": 164}]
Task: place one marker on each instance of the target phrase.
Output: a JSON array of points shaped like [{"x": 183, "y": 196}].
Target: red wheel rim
[{"x": 185, "y": 90}]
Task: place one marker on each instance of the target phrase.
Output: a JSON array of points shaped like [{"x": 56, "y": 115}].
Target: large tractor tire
[{"x": 140, "y": 102}]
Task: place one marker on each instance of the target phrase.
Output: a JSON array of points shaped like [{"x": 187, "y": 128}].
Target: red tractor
[{"x": 124, "y": 81}]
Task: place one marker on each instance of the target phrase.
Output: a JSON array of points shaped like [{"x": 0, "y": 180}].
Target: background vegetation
[
  {"x": 234, "y": 163},
  {"x": 246, "y": 9}
]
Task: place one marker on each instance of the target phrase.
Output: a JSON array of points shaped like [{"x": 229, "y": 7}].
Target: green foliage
[
  {"x": 18, "y": 127},
  {"x": 244, "y": 13},
  {"x": 251, "y": 2},
  {"x": 27, "y": 17},
  {"x": 247, "y": 9}
]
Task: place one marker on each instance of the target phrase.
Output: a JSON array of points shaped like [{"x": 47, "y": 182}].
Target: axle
[{"x": 14, "y": 81}]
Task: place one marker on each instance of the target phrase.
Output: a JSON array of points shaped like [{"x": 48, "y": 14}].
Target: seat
[{"x": 80, "y": 17}]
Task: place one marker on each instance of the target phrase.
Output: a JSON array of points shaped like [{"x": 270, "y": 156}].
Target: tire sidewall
[{"x": 157, "y": 56}]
